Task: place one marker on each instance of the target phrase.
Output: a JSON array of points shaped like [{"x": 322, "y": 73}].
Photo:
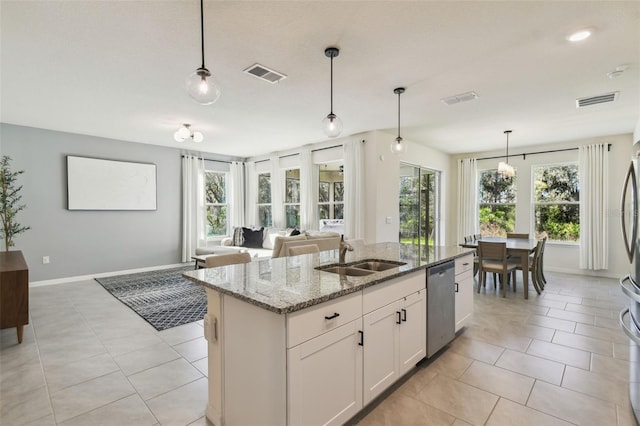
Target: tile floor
[{"x": 555, "y": 359}]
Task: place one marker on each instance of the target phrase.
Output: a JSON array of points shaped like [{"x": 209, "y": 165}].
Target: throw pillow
[
  {"x": 252, "y": 237},
  {"x": 294, "y": 232},
  {"x": 237, "y": 239}
]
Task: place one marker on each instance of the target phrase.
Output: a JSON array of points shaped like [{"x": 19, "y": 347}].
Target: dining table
[{"x": 521, "y": 247}]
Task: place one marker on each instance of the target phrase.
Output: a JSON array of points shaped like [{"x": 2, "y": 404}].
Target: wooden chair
[
  {"x": 476, "y": 237},
  {"x": 516, "y": 235},
  {"x": 227, "y": 259},
  {"x": 535, "y": 264},
  {"x": 542, "y": 280},
  {"x": 492, "y": 257},
  {"x": 306, "y": 249},
  {"x": 468, "y": 239}
]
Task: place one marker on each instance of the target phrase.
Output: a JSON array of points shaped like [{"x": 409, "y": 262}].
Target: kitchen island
[{"x": 293, "y": 344}]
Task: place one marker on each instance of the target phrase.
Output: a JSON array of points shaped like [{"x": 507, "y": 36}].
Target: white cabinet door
[
  {"x": 380, "y": 349},
  {"x": 325, "y": 377},
  {"x": 412, "y": 330},
  {"x": 213, "y": 334},
  {"x": 464, "y": 298}
]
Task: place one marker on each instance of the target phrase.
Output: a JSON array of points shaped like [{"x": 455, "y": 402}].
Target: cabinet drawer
[
  {"x": 311, "y": 322},
  {"x": 379, "y": 295},
  {"x": 464, "y": 263},
  {"x": 466, "y": 276}
]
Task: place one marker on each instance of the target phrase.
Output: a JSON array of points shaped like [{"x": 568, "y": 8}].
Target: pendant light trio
[{"x": 203, "y": 88}]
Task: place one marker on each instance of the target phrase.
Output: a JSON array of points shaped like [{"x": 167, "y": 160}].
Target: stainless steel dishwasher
[{"x": 440, "y": 306}]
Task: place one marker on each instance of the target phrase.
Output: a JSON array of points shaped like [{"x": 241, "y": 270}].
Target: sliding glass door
[{"x": 419, "y": 207}]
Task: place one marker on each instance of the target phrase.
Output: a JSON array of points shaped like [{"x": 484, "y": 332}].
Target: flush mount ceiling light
[
  {"x": 398, "y": 146},
  {"x": 504, "y": 168},
  {"x": 201, "y": 85},
  {"x": 332, "y": 125},
  {"x": 580, "y": 35},
  {"x": 185, "y": 132}
]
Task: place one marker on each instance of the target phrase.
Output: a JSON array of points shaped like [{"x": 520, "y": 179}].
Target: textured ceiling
[{"x": 117, "y": 69}]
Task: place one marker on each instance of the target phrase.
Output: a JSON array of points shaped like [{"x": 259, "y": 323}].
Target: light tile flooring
[{"x": 555, "y": 359}]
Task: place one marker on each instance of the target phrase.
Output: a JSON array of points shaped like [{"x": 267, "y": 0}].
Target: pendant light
[
  {"x": 504, "y": 168},
  {"x": 332, "y": 125},
  {"x": 398, "y": 146},
  {"x": 201, "y": 85}
]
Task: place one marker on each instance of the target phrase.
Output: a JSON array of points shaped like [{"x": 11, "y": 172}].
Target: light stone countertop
[{"x": 288, "y": 284}]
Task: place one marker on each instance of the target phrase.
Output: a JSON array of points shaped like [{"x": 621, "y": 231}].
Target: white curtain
[
  {"x": 308, "y": 191},
  {"x": 251, "y": 200},
  {"x": 467, "y": 198},
  {"x": 236, "y": 195},
  {"x": 594, "y": 174},
  {"x": 277, "y": 192},
  {"x": 354, "y": 214},
  {"x": 193, "y": 230}
]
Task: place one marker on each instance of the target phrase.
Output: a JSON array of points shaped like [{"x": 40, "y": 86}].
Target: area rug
[{"x": 163, "y": 298}]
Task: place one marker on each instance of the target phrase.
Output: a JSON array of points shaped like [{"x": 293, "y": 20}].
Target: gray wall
[{"x": 90, "y": 242}]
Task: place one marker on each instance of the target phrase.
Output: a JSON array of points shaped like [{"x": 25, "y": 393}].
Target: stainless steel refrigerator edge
[{"x": 630, "y": 284}]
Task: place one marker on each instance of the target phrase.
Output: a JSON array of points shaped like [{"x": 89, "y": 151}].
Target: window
[
  {"x": 264, "y": 200},
  {"x": 292, "y": 198},
  {"x": 216, "y": 203},
  {"x": 556, "y": 202},
  {"x": 497, "y": 204},
  {"x": 331, "y": 192}
]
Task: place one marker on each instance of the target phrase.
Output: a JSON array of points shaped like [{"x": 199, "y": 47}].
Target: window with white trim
[
  {"x": 265, "y": 218},
  {"x": 292, "y": 198},
  {"x": 331, "y": 192},
  {"x": 556, "y": 202},
  {"x": 216, "y": 208},
  {"x": 497, "y": 203}
]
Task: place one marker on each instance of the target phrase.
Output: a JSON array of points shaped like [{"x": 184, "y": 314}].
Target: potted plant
[{"x": 10, "y": 203}]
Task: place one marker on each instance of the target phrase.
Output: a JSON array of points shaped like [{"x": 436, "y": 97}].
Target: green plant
[{"x": 10, "y": 203}]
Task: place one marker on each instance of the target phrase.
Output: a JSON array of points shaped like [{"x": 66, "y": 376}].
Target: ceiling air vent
[
  {"x": 600, "y": 99},
  {"x": 462, "y": 97},
  {"x": 264, "y": 73}
]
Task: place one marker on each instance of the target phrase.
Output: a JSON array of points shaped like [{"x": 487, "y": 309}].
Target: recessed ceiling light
[{"x": 580, "y": 34}]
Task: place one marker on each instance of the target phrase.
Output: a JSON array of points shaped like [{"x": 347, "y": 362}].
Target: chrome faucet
[{"x": 344, "y": 246}]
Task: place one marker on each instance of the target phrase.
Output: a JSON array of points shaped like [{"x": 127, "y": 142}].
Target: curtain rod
[
  {"x": 524, "y": 154},
  {"x": 209, "y": 159},
  {"x": 297, "y": 153}
]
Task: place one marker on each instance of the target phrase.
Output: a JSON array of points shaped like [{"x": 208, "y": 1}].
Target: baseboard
[
  {"x": 604, "y": 274},
  {"x": 103, "y": 274}
]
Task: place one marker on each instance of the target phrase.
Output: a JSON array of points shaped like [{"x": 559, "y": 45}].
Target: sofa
[{"x": 265, "y": 243}]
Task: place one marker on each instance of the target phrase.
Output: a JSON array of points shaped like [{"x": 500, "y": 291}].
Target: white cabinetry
[
  {"x": 464, "y": 290},
  {"x": 325, "y": 362},
  {"x": 395, "y": 333}
]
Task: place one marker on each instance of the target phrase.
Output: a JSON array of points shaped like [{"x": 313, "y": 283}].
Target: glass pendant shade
[
  {"x": 202, "y": 87},
  {"x": 197, "y": 137},
  {"x": 184, "y": 133},
  {"x": 332, "y": 125}
]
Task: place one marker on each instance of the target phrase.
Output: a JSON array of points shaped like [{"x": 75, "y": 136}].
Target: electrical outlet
[
  {"x": 389, "y": 219},
  {"x": 45, "y": 260}
]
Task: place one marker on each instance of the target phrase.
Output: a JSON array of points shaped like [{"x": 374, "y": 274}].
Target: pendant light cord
[
  {"x": 202, "y": 29},
  {"x": 399, "y": 93},
  {"x": 331, "y": 95}
]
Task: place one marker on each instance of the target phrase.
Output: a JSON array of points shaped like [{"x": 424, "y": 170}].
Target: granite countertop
[{"x": 288, "y": 284}]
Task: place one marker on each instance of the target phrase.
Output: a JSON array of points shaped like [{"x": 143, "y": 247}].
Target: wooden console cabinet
[{"x": 14, "y": 291}]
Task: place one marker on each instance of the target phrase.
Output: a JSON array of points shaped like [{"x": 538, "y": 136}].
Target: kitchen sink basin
[
  {"x": 347, "y": 270},
  {"x": 377, "y": 265}
]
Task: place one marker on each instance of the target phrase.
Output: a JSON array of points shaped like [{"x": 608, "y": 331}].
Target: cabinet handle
[
  {"x": 335, "y": 315},
  {"x": 361, "y": 342},
  {"x": 399, "y": 319},
  {"x": 456, "y": 284},
  {"x": 465, "y": 264},
  {"x": 404, "y": 315},
  {"x": 215, "y": 329}
]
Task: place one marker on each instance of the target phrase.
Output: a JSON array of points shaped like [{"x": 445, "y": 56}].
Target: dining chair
[
  {"x": 227, "y": 259},
  {"x": 306, "y": 249},
  {"x": 517, "y": 235},
  {"x": 542, "y": 279},
  {"x": 492, "y": 257},
  {"x": 477, "y": 236},
  {"x": 468, "y": 239},
  {"x": 535, "y": 265}
]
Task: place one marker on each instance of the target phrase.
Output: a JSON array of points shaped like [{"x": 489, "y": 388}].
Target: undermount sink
[
  {"x": 377, "y": 265},
  {"x": 347, "y": 270},
  {"x": 361, "y": 268}
]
